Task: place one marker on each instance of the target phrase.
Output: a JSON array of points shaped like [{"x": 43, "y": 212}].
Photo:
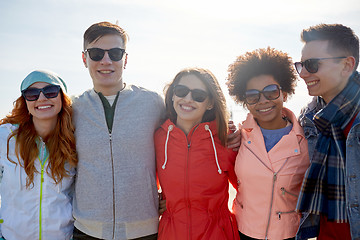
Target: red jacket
[{"x": 194, "y": 180}]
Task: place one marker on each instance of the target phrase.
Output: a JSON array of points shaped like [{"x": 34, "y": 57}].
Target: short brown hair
[
  {"x": 340, "y": 38},
  {"x": 98, "y": 30}
]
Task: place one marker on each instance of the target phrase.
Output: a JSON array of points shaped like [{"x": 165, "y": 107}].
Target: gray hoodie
[{"x": 115, "y": 189}]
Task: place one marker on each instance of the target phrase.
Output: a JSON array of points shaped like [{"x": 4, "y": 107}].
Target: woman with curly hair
[
  {"x": 273, "y": 155},
  {"x": 38, "y": 158}
]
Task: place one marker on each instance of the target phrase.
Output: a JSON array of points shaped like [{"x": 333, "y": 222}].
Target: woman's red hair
[{"x": 60, "y": 142}]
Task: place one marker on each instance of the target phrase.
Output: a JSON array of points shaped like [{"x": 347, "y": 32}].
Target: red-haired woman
[{"x": 38, "y": 157}]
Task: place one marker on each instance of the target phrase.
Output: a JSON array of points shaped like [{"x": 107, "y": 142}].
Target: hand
[
  {"x": 162, "y": 204},
  {"x": 234, "y": 137}
]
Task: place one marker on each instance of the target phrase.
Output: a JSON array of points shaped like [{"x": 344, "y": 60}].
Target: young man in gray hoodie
[{"x": 115, "y": 190}]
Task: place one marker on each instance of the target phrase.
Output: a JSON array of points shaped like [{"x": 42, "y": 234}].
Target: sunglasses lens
[
  {"x": 116, "y": 54},
  {"x": 96, "y": 54},
  {"x": 198, "y": 95},
  {"x": 298, "y": 67},
  {"x": 312, "y": 65},
  {"x": 271, "y": 92},
  {"x": 252, "y": 96},
  {"x": 51, "y": 91},
  {"x": 31, "y": 94},
  {"x": 181, "y": 91}
]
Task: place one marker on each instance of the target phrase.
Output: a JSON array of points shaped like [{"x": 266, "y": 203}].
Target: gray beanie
[{"x": 43, "y": 76}]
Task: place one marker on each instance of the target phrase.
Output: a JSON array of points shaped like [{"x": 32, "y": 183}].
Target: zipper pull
[
  {"x": 42, "y": 174},
  {"x": 283, "y": 190},
  {"x": 279, "y": 215},
  {"x": 275, "y": 176}
]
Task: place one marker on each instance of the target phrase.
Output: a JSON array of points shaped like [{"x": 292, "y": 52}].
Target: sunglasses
[
  {"x": 270, "y": 92},
  {"x": 96, "y": 54},
  {"x": 312, "y": 64},
  {"x": 197, "y": 95},
  {"x": 32, "y": 94}
]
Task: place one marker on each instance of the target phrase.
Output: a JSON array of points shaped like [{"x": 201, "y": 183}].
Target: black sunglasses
[
  {"x": 312, "y": 64},
  {"x": 96, "y": 54},
  {"x": 270, "y": 92},
  {"x": 197, "y": 95},
  {"x": 32, "y": 94}
]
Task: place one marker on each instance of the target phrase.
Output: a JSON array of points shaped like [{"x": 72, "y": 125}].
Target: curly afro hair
[{"x": 263, "y": 61}]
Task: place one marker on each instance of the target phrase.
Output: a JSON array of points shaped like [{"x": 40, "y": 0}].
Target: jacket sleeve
[
  {"x": 231, "y": 170},
  {"x": 2, "y": 154}
]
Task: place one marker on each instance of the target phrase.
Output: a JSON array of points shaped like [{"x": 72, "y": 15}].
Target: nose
[
  {"x": 42, "y": 97},
  {"x": 188, "y": 97},
  {"x": 304, "y": 73},
  {"x": 262, "y": 98},
  {"x": 106, "y": 59}
]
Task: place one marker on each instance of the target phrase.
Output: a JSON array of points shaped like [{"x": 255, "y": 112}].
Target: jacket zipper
[
  {"x": 283, "y": 190},
  {"x": 187, "y": 191},
  {"x": 187, "y": 181},
  {"x": 273, "y": 188},
  {"x": 42, "y": 152},
  {"x": 279, "y": 213},
  {"x": 271, "y": 203},
  {"x": 113, "y": 181}
]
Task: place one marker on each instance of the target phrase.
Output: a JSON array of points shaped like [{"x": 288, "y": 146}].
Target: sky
[{"x": 165, "y": 37}]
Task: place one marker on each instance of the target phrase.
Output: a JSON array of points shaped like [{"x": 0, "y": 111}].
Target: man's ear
[
  {"x": 125, "y": 61},
  {"x": 84, "y": 59},
  {"x": 349, "y": 65}
]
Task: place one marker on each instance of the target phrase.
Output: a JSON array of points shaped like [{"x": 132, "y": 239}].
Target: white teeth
[
  {"x": 105, "y": 71},
  {"x": 311, "y": 83},
  {"x": 265, "y": 110},
  {"x": 186, "y": 107},
  {"x": 43, "y": 107}
]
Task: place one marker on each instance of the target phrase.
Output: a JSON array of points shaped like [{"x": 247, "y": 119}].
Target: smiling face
[
  {"x": 268, "y": 113},
  {"x": 329, "y": 80},
  {"x": 106, "y": 74},
  {"x": 189, "y": 112},
  {"x": 44, "y": 109}
]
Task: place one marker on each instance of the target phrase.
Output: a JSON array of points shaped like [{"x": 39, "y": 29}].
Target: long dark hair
[{"x": 216, "y": 95}]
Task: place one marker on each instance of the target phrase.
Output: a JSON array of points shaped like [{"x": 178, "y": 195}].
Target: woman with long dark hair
[{"x": 194, "y": 165}]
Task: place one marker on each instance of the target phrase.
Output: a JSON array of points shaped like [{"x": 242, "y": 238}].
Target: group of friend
[{"x": 91, "y": 167}]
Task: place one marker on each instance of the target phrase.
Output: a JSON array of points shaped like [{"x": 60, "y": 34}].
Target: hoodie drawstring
[
  {"x": 170, "y": 128},
  {"x": 207, "y": 128}
]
